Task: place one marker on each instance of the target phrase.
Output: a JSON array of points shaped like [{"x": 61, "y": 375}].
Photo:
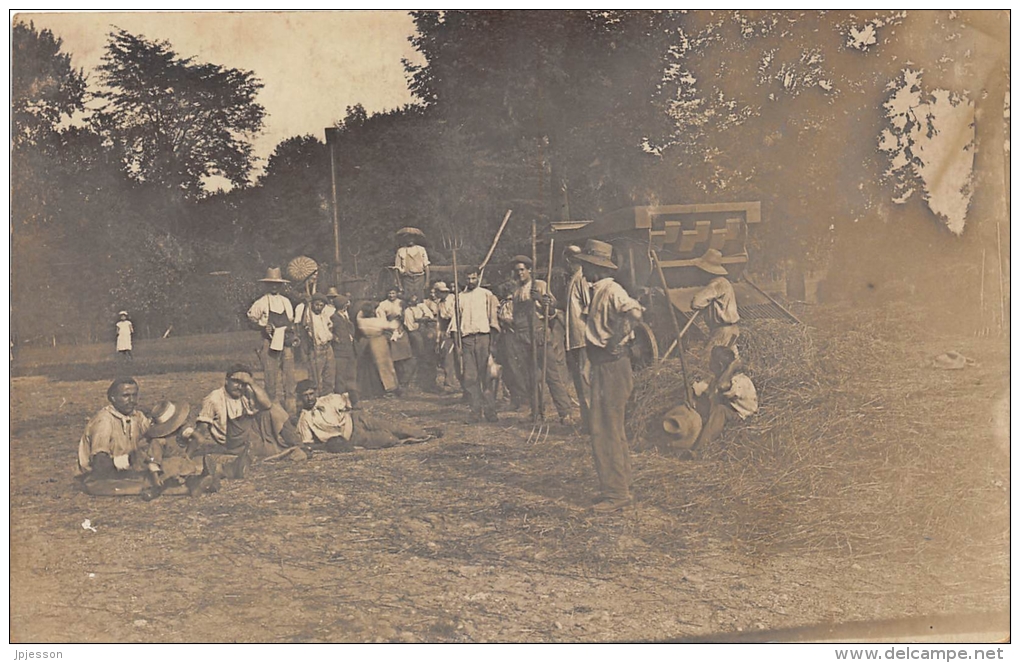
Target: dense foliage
[{"x": 830, "y": 119}]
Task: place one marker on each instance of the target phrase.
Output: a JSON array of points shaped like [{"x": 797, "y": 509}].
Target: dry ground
[{"x": 481, "y": 537}]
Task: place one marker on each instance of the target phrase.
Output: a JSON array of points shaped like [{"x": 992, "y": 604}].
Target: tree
[
  {"x": 45, "y": 88},
  {"x": 177, "y": 121}
]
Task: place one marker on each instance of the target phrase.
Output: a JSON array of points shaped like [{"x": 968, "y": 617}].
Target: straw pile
[{"x": 858, "y": 446}]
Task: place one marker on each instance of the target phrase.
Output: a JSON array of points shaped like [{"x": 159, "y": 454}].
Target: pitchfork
[
  {"x": 539, "y": 427},
  {"x": 453, "y": 242}
]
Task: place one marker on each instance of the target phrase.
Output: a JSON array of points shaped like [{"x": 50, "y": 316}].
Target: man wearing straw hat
[
  {"x": 611, "y": 315},
  {"x": 412, "y": 263},
  {"x": 718, "y": 303},
  {"x": 274, "y": 314}
]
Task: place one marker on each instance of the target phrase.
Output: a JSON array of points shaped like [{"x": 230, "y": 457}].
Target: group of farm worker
[{"x": 471, "y": 337}]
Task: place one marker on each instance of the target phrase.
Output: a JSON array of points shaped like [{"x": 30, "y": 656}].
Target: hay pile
[{"x": 857, "y": 447}]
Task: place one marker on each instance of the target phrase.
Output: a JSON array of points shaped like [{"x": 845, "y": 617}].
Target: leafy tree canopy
[{"x": 175, "y": 120}]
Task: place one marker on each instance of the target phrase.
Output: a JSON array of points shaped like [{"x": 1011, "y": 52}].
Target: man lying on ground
[
  {"x": 329, "y": 422},
  {"x": 112, "y": 455},
  {"x": 240, "y": 415}
]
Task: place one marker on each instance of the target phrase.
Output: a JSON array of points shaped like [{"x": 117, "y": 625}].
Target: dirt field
[{"x": 481, "y": 537}]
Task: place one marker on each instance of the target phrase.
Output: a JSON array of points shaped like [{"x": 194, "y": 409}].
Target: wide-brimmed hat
[
  {"x": 522, "y": 259},
  {"x": 410, "y": 230},
  {"x": 274, "y": 275},
  {"x": 332, "y": 292},
  {"x": 711, "y": 262},
  {"x": 167, "y": 418},
  {"x": 683, "y": 425},
  {"x": 599, "y": 253},
  {"x": 441, "y": 286}
]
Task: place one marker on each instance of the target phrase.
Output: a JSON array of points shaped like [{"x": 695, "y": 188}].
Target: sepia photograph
[{"x": 516, "y": 326}]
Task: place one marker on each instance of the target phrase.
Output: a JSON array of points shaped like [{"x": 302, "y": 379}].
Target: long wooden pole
[
  {"x": 545, "y": 326},
  {"x": 536, "y": 401},
  {"x": 502, "y": 226},
  {"x": 676, "y": 328},
  {"x": 336, "y": 219}
]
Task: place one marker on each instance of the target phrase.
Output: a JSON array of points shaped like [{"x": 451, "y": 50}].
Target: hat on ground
[
  {"x": 683, "y": 425},
  {"x": 122, "y": 312},
  {"x": 274, "y": 275},
  {"x": 167, "y": 418},
  {"x": 599, "y": 253},
  {"x": 523, "y": 259},
  {"x": 441, "y": 286},
  {"x": 410, "y": 230},
  {"x": 711, "y": 262}
]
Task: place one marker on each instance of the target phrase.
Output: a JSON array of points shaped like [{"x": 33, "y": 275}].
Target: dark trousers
[
  {"x": 580, "y": 371},
  {"x": 555, "y": 376},
  {"x": 476, "y": 377},
  {"x": 611, "y": 384},
  {"x": 346, "y": 376}
]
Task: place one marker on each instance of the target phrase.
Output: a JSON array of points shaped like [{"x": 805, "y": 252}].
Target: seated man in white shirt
[
  {"x": 329, "y": 422},
  {"x": 730, "y": 396},
  {"x": 241, "y": 417},
  {"x": 113, "y": 452}
]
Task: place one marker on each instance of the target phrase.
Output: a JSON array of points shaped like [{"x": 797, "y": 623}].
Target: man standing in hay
[
  {"x": 718, "y": 303},
  {"x": 412, "y": 263},
  {"x": 611, "y": 316},
  {"x": 274, "y": 315}
]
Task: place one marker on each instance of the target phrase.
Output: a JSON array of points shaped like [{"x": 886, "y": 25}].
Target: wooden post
[
  {"x": 332, "y": 134},
  {"x": 1002, "y": 295}
]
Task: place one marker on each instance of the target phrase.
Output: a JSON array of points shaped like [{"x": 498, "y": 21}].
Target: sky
[{"x": 314, "y": 64}]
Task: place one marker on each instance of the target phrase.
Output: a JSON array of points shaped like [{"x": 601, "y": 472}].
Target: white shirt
[
  {"x": 124, "y": 331},
  {"x": 329, "y": 418},
  {"x": 270, "y": 303},
  {"x": 719, "y": 303},
  {"x": 479, "y": 310},
  {"x": 412, "y": 259},
  {"x": 218, "y": 408},
  {"x": 609, "y": 303}
]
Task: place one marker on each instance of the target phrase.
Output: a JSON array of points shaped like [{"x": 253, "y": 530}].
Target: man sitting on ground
[
  {"x": 240, "y": 415},
  {"x": 730, "y": 396},
  {"x": 331, "y": 422},
  {"x": 112, "y": 455},
  {"x": 179, "y": 465}
]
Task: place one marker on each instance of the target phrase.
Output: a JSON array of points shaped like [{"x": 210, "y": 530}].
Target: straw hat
[
  {"x": 332, "y": 292},
  {"x": 410, "y": 230},
  {"x": 599, "y": 253},
  {"x": 441, "y": 286},
  {"x": 683, "y": 424},
  {"x": 167, "y": 418},
  {"x": 274, "y": 275},
  {"x": 711, "y": 262}
]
